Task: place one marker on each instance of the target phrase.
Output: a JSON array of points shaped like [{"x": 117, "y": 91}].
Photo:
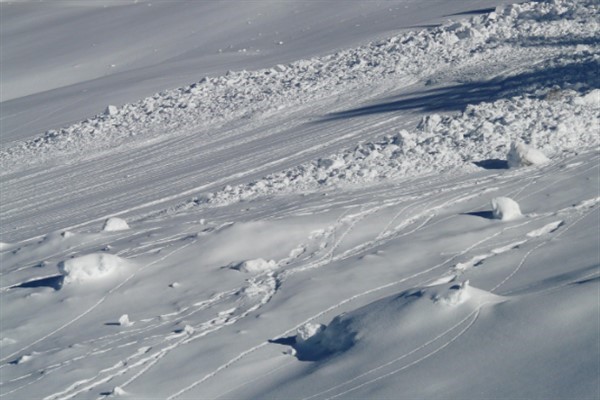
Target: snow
[
  {"x": 307, "y": 221},
  {"x": 505, "y": 209},
  {"x": 90, "y": 267},
  {"x": 115, "y": 224},
  {"x": 521, "y": 155},
  {"x": 255, "y": 266}
]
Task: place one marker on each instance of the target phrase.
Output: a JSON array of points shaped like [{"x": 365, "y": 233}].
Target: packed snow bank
[
  {"x": 483, "y": 131},
  {"x": 90, "y": 267},
  {"x": 421, "y": 55},
  {"x": 115, "y": 224},
  {"x": 521, "y": 155},
  {"x": 505, "y": 209}
]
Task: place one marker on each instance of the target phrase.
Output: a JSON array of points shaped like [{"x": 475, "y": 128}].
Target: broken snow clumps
[
  {"x": 243, "y": 94},
  {"x": 90, "y": 267},
  {"x": 441, "y": 142},
  {"x": 521, "y": 155},
  {"x": 505, "y": 209}
]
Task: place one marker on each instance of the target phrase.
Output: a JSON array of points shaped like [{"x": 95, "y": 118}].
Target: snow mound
[
  {"x": 316, "y": 341},
  {"x": 255, "y": 266},
  {"x": 90, "y": 267},
  {"x": 521, "y": 155},
  {"x": 505, "y": 209},
  {"x": 391, "y": 322},
  {"x": 115, "y": 224}
]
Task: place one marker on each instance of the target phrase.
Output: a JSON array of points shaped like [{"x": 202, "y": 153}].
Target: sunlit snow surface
[{"x": 416, "y": 217}]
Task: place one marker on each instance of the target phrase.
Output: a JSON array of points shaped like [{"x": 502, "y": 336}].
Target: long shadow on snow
[{"x": 457, "y": 97}]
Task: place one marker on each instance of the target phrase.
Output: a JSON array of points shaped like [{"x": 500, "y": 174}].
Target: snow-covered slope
[
  {"x": 413, "y": 217},
  {"x": 65, "y": 60}
]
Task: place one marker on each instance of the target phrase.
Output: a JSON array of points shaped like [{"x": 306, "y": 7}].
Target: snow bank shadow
[
  {"x": 473, "y": 12},
  {"x": 493, "y": 163},
  {"x": 54, "y": 282},
  {"x": 481, "y": 214},
  {"x": 458, "y": 97}
]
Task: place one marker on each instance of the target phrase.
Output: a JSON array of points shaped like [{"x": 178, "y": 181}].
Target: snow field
[{"x": 398, "y": 267}]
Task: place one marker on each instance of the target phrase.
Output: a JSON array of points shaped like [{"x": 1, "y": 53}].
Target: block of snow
[
  {"x": 521, "y": 155},
  {"x": 111, "y": 110},
  {"x": 505, "y": 209},
  {"x": 124, "y": 320},
  {"x": 90, "y": 267},
  {"x": 115, "y": 224},
  {"x": 255, "y": 266}
]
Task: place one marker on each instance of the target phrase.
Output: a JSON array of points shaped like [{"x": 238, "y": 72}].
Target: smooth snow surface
[{"x": 322, "y": 200}]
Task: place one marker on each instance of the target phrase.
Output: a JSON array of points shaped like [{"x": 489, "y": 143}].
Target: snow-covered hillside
[{"x": 372, "y": 212}]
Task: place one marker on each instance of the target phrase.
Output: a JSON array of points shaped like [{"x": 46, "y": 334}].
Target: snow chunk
[
  {"x": 115, "y": 224},
  {"x": 505, "y": 209},
  {"x": 90, "y": 267},
  {"x": 521, "y": 155},
  {"x": 255, "y": 266},
  {"x": 124, "y": 320},
  {"x": 315, "y": 341},
  {"x": 111, "y": 110}
]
